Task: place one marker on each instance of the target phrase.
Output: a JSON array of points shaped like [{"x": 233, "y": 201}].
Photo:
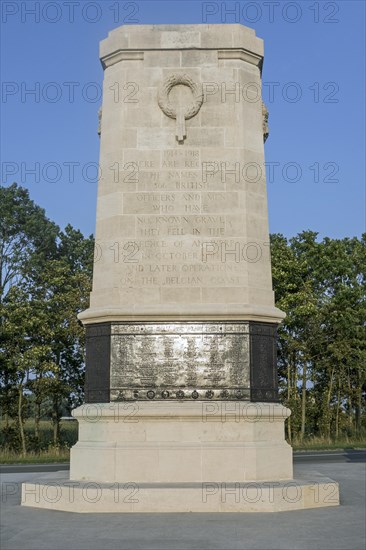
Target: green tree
[
  {"x": 321, "y": 287},
  {"x": 45, "y": 283},
  {"x": 27, "y": 240},
  {"x": 59, "y": 292}
]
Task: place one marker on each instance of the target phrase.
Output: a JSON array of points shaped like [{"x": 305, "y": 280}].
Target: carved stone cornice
[
  {"x": 121, "y": 55},
  {"x": 243, "y": 55}
]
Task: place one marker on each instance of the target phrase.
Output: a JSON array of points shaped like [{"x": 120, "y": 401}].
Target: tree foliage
[
  {"x": 322, "y": 367},
  {"x": 45, "y": 283}
]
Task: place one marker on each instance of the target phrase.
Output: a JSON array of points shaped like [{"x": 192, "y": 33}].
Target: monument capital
[{"x": 231, "y": 41}]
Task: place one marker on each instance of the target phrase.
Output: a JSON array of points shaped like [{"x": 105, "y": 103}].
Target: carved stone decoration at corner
[
  {"x": 265, "y": 115},
  {"x": 100, "y": 114},
  {"x": 183, "y": 113}
]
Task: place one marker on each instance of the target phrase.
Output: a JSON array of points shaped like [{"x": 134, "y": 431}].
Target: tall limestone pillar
[{"x": 182, "y": 323}]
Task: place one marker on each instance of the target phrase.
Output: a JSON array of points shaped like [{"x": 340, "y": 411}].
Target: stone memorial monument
[{"x": 181, "y": 381}]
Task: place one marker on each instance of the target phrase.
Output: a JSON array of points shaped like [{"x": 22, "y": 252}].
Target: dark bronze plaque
[
  {"x": 180, "y": 361},
  {"x": 264, "y": 385},
  {"x": 98, "y": 351}
]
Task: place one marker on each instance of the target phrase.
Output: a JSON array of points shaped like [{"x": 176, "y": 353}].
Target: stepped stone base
[
  {"x": 91, "y": 497},
  {"x": 191, "y": 442},
  {"x": 169, "y": 457}
]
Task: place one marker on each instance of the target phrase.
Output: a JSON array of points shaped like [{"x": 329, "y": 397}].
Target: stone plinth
[{"x": 173, "y": 442}]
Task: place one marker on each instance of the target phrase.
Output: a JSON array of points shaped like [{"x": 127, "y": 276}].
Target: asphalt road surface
[{"x": 329, "y": 528}]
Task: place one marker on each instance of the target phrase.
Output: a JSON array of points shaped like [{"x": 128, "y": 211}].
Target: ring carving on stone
[{"x": 183, "y": 113}]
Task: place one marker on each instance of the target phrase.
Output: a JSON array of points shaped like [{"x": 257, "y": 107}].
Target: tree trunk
[
  {"x": 20, "y": 419},
  {"x": 289, "y": 434},
  {"x": 327, "y": 404},
  {"x": 337, "y": 414},
  {"x": 350, "y": 414},
  {"x": 350, "y": 405},
  {"x": 37, "y": 419},
  {"x": 358, "y": 408},
  {"x": 303, "y": 403},
  {"x": 7, "y": 398},
  {"x": 295, "y": 377},
  {"x": 56, "y": 424}
]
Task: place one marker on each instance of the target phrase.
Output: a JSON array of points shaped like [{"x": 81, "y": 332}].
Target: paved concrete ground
[{"x": 338, "y": 528}]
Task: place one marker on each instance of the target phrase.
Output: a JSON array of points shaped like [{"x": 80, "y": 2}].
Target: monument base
[
  {"x": 169, "y": 457},
  {"x": 92, "y": 497},
  {"x": 172, "y": 442}
]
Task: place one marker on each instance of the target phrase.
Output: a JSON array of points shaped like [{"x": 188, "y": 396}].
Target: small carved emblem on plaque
[
  {"x": 150, "y": 394},
  {"x": 181, "y": 114}
]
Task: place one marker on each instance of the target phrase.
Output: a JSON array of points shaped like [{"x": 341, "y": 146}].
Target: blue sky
[{"x": 314, "y": 66}]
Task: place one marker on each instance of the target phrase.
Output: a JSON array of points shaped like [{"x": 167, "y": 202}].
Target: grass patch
[
  {"x": 49, "y": 456},
  {"x": 44, "y": 452},
  {"x": 323, "y": 444}
]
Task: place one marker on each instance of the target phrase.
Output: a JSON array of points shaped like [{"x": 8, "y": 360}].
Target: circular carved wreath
[{"x": 169, "y": 83}]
